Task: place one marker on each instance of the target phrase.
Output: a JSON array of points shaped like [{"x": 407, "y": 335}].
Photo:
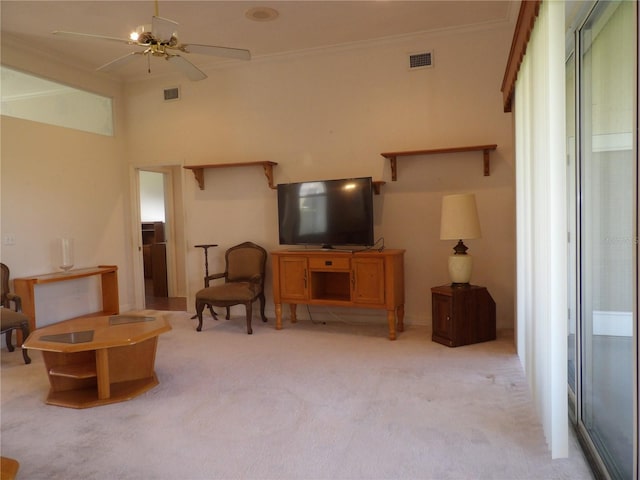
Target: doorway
[{"x": 159, "y": 233}]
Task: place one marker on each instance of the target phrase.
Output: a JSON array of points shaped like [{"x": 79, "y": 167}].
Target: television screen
[{"x": 326, "y": 212}]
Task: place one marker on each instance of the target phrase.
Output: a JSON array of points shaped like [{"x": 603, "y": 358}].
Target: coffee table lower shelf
[{"x": 88, "y": 397}]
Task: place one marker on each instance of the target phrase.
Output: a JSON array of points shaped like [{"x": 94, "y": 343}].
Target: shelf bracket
[
  {"x": 394, "y": 168},
  {"x": 487, "y": 162},
  {"x": 376, "y": 186},
  {"x": 268, "y": 172},
  {"x": 199, "y": 174}
]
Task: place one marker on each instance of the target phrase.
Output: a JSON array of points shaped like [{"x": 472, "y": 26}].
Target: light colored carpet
[{"x": 312, "y": 401}]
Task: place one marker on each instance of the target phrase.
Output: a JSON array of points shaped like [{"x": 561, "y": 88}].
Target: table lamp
[{"x": 459, "y": 221}]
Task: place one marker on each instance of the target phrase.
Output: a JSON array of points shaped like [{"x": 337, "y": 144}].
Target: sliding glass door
[{"x": 604, "y": 342}]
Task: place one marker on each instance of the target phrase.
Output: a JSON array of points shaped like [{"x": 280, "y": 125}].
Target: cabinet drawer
[{"x": 329, "y": 263}]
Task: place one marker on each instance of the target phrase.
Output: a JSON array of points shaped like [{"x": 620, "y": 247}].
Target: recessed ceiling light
[{"x": 261, "y": 14}]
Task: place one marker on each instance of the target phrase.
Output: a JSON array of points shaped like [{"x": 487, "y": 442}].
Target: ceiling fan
[{"x": 160, "y": 39}]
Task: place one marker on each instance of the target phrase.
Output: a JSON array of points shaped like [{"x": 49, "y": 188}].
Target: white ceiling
[{"x": 300, "y": 26}]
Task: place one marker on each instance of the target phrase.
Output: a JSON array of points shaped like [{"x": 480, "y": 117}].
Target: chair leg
[
  {"x": 262, "y": 302},
  {"x": 25, "y": 333},
  {"x": 228, "y": 313},
  {"x": 199, "y": 309},
  {"x": 213, "y": 314},
  {"x": 7, "y": 338},
  {"x": 249, "y": 314}
]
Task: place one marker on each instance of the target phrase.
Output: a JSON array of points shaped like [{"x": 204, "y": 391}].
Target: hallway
[{"x": 172, "y": 304}]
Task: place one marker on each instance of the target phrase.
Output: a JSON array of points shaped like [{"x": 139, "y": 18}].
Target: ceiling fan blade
[
  {"x": 163, "y": 29},
  {"x": 239, "y": 53},
  {"x": 91, "y": 35},
  {"x": 186, "y": 67},
  {"x": 118, "y": 62}
]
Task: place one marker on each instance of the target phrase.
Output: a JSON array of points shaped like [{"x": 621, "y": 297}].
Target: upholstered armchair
[
  {"x": 243, "y": 283},
  {"x": 12, "y": 318}
]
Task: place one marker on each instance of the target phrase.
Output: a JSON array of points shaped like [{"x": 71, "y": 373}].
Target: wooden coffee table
[{"x": 93, "y": 361}]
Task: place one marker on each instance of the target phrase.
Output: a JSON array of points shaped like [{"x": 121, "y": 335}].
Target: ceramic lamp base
[{"x": 460, "y": 267}]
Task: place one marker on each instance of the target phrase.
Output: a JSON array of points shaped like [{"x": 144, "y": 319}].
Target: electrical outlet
[{"x": 9, "y": 239}]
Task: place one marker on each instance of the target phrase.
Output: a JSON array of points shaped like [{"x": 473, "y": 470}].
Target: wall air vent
[
  {"x": 420, "y": 60},
  {"x": 172, "y": 93}
]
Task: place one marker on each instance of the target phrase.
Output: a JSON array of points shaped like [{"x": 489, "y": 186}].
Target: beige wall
[
  {"x": 329, "y": 114},
  {"x": 60, "y": 182},
  {"x": 324, "y": 114}
]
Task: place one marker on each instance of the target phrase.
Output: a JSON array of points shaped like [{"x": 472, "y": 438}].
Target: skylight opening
[{"x": 33, "y": 98}]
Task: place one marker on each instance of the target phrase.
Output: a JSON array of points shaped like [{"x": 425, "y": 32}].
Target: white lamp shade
[{"x": 459, "y": 217}]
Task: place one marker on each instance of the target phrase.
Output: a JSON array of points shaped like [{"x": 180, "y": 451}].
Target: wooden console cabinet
[
  {"x": 462, "y": 315},
  {"x": 363, "y": 279}
]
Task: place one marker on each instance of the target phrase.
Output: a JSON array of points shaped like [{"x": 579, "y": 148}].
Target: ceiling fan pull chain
[{"x": 148, "y": 63}]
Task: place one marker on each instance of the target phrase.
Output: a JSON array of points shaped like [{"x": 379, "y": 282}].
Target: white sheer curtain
[{"x": 541, "y": 223}]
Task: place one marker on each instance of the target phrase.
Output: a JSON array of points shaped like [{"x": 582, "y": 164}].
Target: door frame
[{"x": 176, "y": 282}]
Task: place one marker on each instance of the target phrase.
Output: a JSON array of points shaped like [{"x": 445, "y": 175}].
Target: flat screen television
[{"x": 326, "y": 213}]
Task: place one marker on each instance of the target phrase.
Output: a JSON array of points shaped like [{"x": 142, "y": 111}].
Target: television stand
[{"x": 363, "y": 279}]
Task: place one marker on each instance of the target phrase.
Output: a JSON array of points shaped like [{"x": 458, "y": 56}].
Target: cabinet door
[
  {"x": 293, "y": 278},
  {"x": 442, "y": 313},
  {"x": 367, "y": 281}
]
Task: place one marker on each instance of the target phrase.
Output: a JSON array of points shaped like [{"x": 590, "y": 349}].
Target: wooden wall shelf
[
  {"x": 392, "y": 156},
  {"x": 198, "y": 170}
]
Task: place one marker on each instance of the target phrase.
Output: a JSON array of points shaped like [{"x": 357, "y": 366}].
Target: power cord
[
  {"x": 311, "y": 318},
  {"x": 373, "y": 247}
]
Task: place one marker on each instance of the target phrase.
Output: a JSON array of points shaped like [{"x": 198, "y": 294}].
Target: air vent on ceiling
[
  {"x": 172, "y": 93},
  {"x": 420, "y": 60}
]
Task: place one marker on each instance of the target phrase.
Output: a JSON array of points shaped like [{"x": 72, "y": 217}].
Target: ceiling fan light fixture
[
  {"x": 160, "y": 39},
  {"x": 261, "y": 14},
  {"x": 140, "y": 31}
]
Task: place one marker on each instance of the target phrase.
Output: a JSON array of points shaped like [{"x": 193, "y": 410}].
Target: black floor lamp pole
[{"x": 205, "y": 247}]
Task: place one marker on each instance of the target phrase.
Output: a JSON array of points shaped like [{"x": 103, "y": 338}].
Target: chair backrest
[
  {"x": 4, "y": 284},
  {"x": 244, "y": 261}
]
